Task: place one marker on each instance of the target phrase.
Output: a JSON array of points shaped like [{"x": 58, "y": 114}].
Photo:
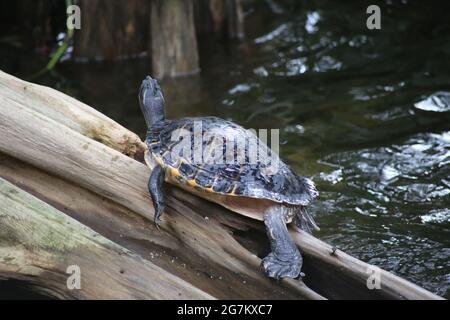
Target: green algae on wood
[{"x": 38, "y": 243}]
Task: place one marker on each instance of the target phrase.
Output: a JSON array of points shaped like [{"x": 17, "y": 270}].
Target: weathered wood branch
[
  {"x": 56, "y": 149},
  {"x": 200, "y": 242},
  {"x": 38, "y": 243},
  {"x": 125, "y": 227},
  {"x": 70, "y": 113}
]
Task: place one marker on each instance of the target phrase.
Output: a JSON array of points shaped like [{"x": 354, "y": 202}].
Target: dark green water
[{"x": 343, "y": 98}]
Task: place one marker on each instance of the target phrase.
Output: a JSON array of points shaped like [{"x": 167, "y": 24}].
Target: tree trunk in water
[
  {"x": 112, "y": 29},
  {"x": 235, "y": 17},
  {"x": 173, "y": 40},
  {"x": 222, "y": 17},
  {"x": 35, "y": 23}
]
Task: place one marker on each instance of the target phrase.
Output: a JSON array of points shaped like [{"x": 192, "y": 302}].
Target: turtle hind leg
[
  {"x": 155, "y": 186},
  {"x": 284, "y": 260}
]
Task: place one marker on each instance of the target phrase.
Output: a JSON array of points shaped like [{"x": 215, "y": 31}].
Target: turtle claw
[
  {"x": 277, "y": 269},
  {"x": 157, "y": 218},
  {"x": 157, "y": 221}
]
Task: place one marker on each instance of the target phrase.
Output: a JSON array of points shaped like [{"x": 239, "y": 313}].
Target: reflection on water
[
  {"x": 364, "y": 113},
  {"x": 393, "y": 201},
  {"x": 438, "y": 102}
]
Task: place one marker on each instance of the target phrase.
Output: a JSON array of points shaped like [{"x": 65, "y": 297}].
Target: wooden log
[
  {"x": 173, "y": 40},
  {"x": 38, "y": 244},
  {"x": 71, "y": 113},
  {"x": 126, "y": 228},
  {"x": 54, "y": 148},
  {"x": 217, "y": 241}
]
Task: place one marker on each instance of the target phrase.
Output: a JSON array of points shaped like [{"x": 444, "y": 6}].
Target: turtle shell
[{"x": 216, "y": 156}]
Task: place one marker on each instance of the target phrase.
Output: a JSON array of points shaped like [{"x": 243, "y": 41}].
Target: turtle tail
[{"x": 304, "y": 220}]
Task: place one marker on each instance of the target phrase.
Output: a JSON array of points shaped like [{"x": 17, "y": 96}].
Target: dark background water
[{"x": 344, "y": 100}]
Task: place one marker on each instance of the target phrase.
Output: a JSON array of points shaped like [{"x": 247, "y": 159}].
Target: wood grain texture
[
  {"x": 165, "y": 248},
  {"x": 38, "y": 243},
  {"x": 69, "y": 112}
]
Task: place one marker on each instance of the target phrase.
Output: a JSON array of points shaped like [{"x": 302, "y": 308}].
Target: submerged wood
[{"x": 218, "y": 251}]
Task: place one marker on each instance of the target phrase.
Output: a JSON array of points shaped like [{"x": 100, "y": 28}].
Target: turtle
[{"x": 254, "y": 188}]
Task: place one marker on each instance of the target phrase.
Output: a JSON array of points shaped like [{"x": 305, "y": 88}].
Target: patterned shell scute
[{"x": 186, "y": 148}]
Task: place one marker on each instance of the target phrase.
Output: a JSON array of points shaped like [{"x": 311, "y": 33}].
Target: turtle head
[{"x": 151, "y": 101}]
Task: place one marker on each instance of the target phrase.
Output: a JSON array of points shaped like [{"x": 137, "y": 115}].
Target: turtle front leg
[
  {"x": 284, "y": 261},
  {"x": 155, "y": 186}
]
